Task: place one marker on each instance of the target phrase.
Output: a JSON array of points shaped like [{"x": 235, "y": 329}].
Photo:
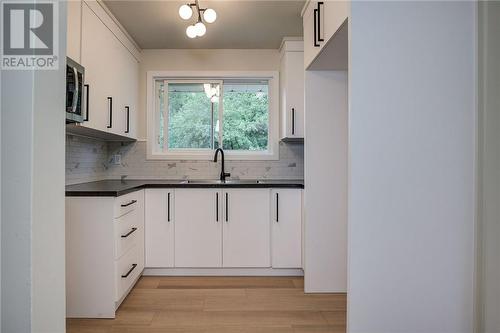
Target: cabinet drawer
[
  {"x": 128, "y": 229},
  {"x": 126, "y": 203},
  {"x": 127, "y": 269}
]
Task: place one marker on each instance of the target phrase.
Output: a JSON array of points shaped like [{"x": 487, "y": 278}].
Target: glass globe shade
[
  {"x": 210, "y": 15},
  {"x": 191, "y": 31},
  {"x": 185, "y": 12},
  {"x": 200, "y": 29}
]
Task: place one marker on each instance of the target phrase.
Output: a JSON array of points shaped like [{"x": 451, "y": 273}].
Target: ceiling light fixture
[{"x": 204, "y": 14}]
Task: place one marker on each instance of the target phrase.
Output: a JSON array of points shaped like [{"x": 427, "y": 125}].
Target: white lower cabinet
[
  {"x": 198, "y": 228},
  {"x": 286, "y": 228},
  {"x": 159, "y": 227},
  {"x": 104, "y": 252},
  {"x": 246, "y": 231},
  {"x": 223, "y": 228}
]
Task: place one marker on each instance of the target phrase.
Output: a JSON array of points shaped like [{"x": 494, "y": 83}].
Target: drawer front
[
  {"x": 126, "y": 203},
  {"x": 127, "y": 270},
  {"x": 128, "y": 230}
]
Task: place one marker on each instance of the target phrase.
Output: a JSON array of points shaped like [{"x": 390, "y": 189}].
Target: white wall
[
  {"x": 489, "y": 265},
  {"x": 325, "y": 193},
  {"x": 199, "y": 60},
  {"x": 32, "y": 166},
  {"x": 412, "y": 167}
]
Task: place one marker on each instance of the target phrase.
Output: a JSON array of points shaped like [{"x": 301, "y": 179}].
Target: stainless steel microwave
[{"x": 75, "y": 77}]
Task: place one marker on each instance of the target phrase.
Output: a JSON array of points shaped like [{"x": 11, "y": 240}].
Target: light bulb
[
  {"x": 200, "y": 29},
  {"x": 185, "y": 12},
  {"x": 210, "y": 15},
  {"x": 191, "y": 31}
]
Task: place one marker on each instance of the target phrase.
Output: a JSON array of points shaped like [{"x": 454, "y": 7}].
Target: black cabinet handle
[
  {"x": 168, "y": 207},
  {"x": 110, "y": 105},
  {"x": 277, "y": 207},
  {"x": 293, "y": 121},
  {"x": 130, "y": 203},
  {"x": 127, "y": 108},
  {"x": 129, "y": 233},
  {"x": 227, "y": 203},
  {"x": 320, "y": 39},
  {"x": 129, "y": 271},
  {"x": 87, "y": 102},
  {"x": 315, "y": 30},
  {"x": 216, "y": 206}
]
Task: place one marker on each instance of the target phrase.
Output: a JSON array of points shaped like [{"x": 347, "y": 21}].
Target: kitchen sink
[{"x": 217, "y": 181}]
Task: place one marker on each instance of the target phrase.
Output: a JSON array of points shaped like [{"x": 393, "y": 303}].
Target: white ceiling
[{"x": 240, "y": 24}]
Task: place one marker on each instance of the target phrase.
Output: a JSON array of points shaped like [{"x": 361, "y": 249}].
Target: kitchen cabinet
[
  {"x": 198, "y": 228},
  {"x": 286, "y": 228},
  {"x": 74, "y": 30},
  {"x": 104, "y": 252},
  {"x": 159, "y": 227},
  {"x": 246, "y": 230},
  {"x": 111, "y": 73},
  {"x": 292, "y": 89},
  {"x": 223, "y": 228},
  {"x": 321, "y": 22}
]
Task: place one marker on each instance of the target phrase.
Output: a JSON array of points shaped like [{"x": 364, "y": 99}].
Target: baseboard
[{"x": 223, "y": 272}]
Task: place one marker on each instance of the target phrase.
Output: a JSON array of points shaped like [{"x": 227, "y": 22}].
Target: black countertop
[{"x": 116, "y": 188}]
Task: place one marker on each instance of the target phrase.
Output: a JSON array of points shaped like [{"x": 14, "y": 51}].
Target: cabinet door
[
  {"x": 310, "y": 50},
  {"x": 99, "y": 68},
  {"x": 286, "y": 228},
  {"x": 127, "y": 97},
  {"x": 246, "y": 231},
  {"x": 159, "y": 227},
  {"x": 74, "y": 29},
  {"x": 198, "y": 228},
  {"x": 293, "y": 95},
  {"x": 335, "y": 13}
]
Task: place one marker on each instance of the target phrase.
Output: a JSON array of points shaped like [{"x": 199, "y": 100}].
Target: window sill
[{"x": 209, "y": 155}]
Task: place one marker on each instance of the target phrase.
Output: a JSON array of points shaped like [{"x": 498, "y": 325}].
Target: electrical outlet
[{"x": 116, "y": 159}]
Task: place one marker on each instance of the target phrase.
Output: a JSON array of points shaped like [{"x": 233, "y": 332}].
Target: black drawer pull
[
  {"x": 110, "y": 105},
  {"x": 320, "y": 39},
  {"x": 130, "y": 203},
  {"x": 127, "y": 108},
  {"x": 129, "y": 271},
  {"x": 277, "y": 207},
  {"x": 129, "y": 233},
  {"x": 87, "y": 102},
  {"x": 168, "y": 207},
  {"x": 216, "y": 206},
  {"x": 315, "y": 29},
  {"x": 293, "y": 121},
  {"x": 227, "y": 205}
]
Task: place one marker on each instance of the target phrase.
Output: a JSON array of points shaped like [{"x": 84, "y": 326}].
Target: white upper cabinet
[
  {"x": 159, "y": 228},
  {"x": 74, "y": 30},
  {"x": 286, "y": 228},
  {"x": 198, "y": 228},
  {"x": 321, "y": 21},
  {"x": 246, "y": 231},
  {"x": 292, "y": 89},
  {"x": 111, "y": 69}
]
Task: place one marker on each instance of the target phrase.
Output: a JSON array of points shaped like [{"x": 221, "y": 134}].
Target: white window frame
[{"x": 214, "y": 76}]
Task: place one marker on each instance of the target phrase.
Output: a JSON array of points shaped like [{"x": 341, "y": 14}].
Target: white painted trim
[
  {"x": 271, "y": 154},
  {"x": 222, "y": 272}
]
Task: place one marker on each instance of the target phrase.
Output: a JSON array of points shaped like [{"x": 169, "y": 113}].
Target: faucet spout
[{"x": 223, "y": 174}]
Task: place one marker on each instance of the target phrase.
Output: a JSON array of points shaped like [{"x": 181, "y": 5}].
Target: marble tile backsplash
[
  {"x": 89, "y": 160},
  {"x": 86, "y": 160}
]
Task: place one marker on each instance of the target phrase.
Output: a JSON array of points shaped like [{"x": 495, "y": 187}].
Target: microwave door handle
[{"x": 77, "y": 92}]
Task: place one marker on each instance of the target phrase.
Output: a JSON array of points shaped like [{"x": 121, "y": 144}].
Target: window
[{"x": 194, "y": 116}]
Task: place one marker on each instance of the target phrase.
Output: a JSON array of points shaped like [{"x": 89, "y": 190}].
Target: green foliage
[
  {"x": 245, "y": 120},
  {"x": 189, "y": 122}
]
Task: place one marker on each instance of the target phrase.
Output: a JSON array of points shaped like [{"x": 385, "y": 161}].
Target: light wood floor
[{"x": 220, "y": 305}]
